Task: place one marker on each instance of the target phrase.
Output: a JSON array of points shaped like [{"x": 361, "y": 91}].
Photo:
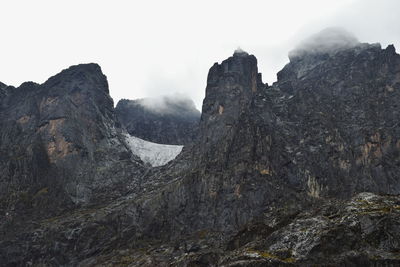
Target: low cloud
[
  {"x": 175, "y": 104},
  {"x": 326, "y": 41}
]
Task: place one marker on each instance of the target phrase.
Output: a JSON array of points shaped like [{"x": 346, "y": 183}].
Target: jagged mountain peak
[
  {"x": 391, "y": 49},
  {"x": 240, "y": 52},
  {"x": 87, "y": 68},
  {"x": 79, "y": 74},
  {"x": 54, "y": 131},
  {"x": 306, "y": 62},
  {"x": 83, "y": 67},
  {"x": 240, "y": 65}
]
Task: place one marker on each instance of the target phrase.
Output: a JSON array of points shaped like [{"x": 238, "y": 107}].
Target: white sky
[{"x": 150, "y": 48}]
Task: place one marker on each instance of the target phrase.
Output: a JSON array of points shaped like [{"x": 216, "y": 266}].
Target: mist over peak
[
  {"x": 169, "y": 119},
  {"x": 328, "y": 40},
  {"x": 173, "y": 104},
  {"x": 240, "y": 52}
]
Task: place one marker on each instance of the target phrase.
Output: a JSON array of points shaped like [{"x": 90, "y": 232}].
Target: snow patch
[{"x": 152, "y": 153}]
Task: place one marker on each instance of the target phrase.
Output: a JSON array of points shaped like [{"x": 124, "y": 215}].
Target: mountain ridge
[{"x": 276, "y": 176}]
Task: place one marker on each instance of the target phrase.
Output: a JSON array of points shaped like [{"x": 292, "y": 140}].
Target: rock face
[
  {"x": 302, "y": 172},
  {"x": 59, "y": 145},
  {"x": 343, "y": 111},
  {"x": 165, "y": 120}
]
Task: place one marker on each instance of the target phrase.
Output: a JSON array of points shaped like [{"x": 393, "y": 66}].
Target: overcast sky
[{"x": 150, "y": 48}]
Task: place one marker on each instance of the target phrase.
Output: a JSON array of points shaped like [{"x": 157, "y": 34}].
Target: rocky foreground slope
[{"x": 302, "y": 172}]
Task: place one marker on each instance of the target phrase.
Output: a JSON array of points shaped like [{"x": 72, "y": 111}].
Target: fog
[
  {"x": 173, "y": 104},
  {"x": 326, "y": 41},
  {"x": 155, "y": 47}
]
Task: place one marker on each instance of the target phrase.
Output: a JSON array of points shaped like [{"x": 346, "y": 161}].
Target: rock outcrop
[
  {"x": 302, "y": 172},
  {"x": 340, "y": 117},
  {"x": 60, "y": 147},
  {"x": 165, "y": 120}
]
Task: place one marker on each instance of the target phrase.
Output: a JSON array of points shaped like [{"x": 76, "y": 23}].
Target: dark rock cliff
[
  {"x": 59, "y": 145},
  {"x": 165, "y": 120},
  {"x": 341, "y": 116},
  {"x": 276, "y": 176}
]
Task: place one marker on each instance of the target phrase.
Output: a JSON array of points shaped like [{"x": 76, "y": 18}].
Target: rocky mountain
[
  {"x": 302, "y": 172},
  {"x": 60, "y": 147},
  {"x": 166, "y": 120}
]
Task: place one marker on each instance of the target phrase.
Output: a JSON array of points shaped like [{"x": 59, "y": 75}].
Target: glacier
[{"x": 154, "y": 154}]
